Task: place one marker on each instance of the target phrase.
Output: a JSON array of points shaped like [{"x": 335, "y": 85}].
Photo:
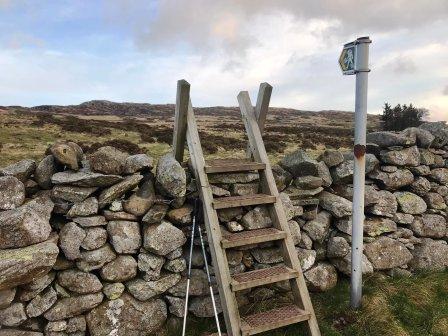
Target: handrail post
[{"x": 180, "y": 119}]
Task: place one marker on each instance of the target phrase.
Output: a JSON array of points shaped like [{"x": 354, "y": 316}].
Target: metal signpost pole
[{"x": 354, "y": 59}]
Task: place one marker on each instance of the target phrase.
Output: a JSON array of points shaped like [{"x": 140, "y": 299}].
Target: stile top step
[
  {"x": 252, "y": 237},
  {"x": 262, "y": 277},
  {"x": 237, "y": 201},
  {"x": 232, "y": 165},
  {"x": 272, "y": 319}
]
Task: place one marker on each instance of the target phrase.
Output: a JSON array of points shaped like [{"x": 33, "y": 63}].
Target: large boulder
[
  {"x": 95, "y": 259},
  {"x": 386, "y": 206},
  {"x": 13, "y": 316},
  {"x": 318, "y": 228},
  {"x": 162, "y": 238},
  {"x": 410, "y": 203},
  {"x": 71, "y": 237},
  {"x": 257, "y": 218},
  {"x": 371, "y": 194},
  {"x": 282, "y": 177},
  {"x": 336, "y": 205},
  {"x": 110, "y": 194},
  {"x": 343, "y": 173},
  {"x": 108, "y": 160},
  {"x": 171, "y": 179},
  {"x": 344, "y": 265},
  {"x": 123, "y": 268},
  {"x": 124, "y": 236},
  {"x": 138, "y": 163},
  {"x": 23, "y": 265},
  {"x": 70, "y": 193},
  {"x": 439, "y": 130},
  {"x": 375, "y": 226},
  {"x": 430, "y": 255},
  {"x": 73, "y": 306},
  {"x": 144, "y": 290},
  {"x": 12, "y": 193},
  {"x": 41, "y": 303},
  {"x": 85, "y": 179},
  {"x": 389, "y": 139},
  {"x": 387, "y": 253},
  {"x": 44, "y": 171},
  {"x": 79, "y": 282},
  {"x": 142, "y": 200},
  {"x": 394, "y": 180},
  {"x": 402, "y": 157},
  {"x": 26, "y": 225},
  {"x": 424, "y": 138},
  {"x": 440, "y": 175},
  {"x": 321, "y": 277},
  {"x": 299, "y": 163},
  {"x": 21, "y": 170},
  {"x": 127, "y": 316},
  {"x": 429, "y": 225},
  {"x": 68, "y": 154},
  {"x": 332, "y": 157},
  {"x": 420, "y": 186}
]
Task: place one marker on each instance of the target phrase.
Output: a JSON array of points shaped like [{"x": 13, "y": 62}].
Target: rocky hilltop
[{"x": 95, "y": 244}]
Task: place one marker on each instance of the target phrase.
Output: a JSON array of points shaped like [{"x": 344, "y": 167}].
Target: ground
[{"x": 416, "y": 306}]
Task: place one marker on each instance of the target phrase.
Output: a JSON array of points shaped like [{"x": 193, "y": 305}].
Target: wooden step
[
  {"x": 232, "y": 165},
  {"x": 252, "y": 237},
  {"x": 262, "y": 277},
  {"x": 237, "y": 201},
  {"x": 272, "y": 319}
]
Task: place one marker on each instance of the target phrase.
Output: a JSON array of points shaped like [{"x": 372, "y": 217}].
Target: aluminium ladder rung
[
  {"x": 237, "y": 201},
  {"x": 262, "y": 277},
  {"x": 232, "y": 165},
  {"x": 272, "y": 319},
  {"x": 252, "y": 237}
]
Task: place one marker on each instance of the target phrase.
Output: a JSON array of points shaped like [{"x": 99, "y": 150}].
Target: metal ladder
[{"x": 301, "y": 310}]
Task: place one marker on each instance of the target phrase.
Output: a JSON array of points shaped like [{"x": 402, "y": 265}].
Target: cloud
[
  {"x": 402, "y": 65},
  {"x": 445, "y": 91}
]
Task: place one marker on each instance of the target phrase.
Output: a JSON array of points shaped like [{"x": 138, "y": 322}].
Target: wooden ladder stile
[{"x": 257, "y": 160}]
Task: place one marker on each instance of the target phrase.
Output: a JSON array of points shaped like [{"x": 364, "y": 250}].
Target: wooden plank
[
  {"x": 232, "y": 165},
  {"x": 261, "y": 109},
  {"x": 246, "y": 200},
  {"x": 262, "y": 277},
  {"x": 273, "y": 319},
  {"x": 252, "y": 237},
  {"x": 180, "y": 119},
  {"x": 268, "y": 186},
  {"x": 219, "y": 258}
]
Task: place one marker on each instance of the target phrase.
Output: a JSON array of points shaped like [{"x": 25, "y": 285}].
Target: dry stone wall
[{"x": 96, "y": 244}]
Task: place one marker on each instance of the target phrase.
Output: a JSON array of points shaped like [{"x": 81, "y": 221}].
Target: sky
[{"x": 66, "y": 52}]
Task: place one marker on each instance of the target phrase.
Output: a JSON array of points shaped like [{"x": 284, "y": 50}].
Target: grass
[{"x": 416, "y": 306}]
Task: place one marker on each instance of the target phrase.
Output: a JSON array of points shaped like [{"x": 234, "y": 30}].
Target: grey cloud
[
  {"x": 445, "y": 91},
  {"x": 401, "y": 65}
]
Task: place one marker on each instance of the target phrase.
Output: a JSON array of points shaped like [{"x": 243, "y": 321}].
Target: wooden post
[
  {"x": 180, "y": 119},
  {"x": 261, "y": 109}
]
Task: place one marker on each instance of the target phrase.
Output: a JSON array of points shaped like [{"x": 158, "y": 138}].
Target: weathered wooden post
[{"x": 180, "y": 119}]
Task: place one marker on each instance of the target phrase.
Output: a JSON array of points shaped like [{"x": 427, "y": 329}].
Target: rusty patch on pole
[{"x": 359, "y": 151}]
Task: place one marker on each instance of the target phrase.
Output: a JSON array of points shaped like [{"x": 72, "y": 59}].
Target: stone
[
  {"x": 127, "y": 316},
  {"x": 176, "y": 305},
  {"x": 371, "y": 195},
  {"x": 150, "y": 264},
  {"x": 22, "y": 265},
  {"x": 429, "y": 225},
  {"x": 388, "y": 139},
  {"x": 386, "y": 206},
  {"x": 144, "y": 290},
  {"x": 21, "y": 170},
  {"x": 332, "y": 157},
  {"x": 30, "y": 290},
  {"x": 71, "y": 237},
  {"x": 138, "y": 163},
  {"x": 324, "y": 173},
  {"x": 392, "y": 181},
  {"x": 420, "y": 170},
  {"x": 95, "y": 238},
  {"x": 430, "y": 255},
  {"x": 90, "y": 221},
  {"x": 71, "y": 193},
  {"x": 234, "y": 226},
  {"x": 16, "y": 332},
  {"x": 162, "y": 238},
  {"x": 424, "y": 138},
  {"x": 6, "y": 297},
  {"x": 41, "y": 303},
  {"x": 439, "y": 130},
  {"x": 402, "y": 218},
  {"x": 420, "y": 186},
  {"x": 73, "y": 306},
  {"x": 321, "y": 277},
  {"x": 108, "y": 160},
  {"x": 270, "y": 255},
  {"x": 203, "y": 306},
  {"x": 299, "y": 163},
  {"x": 123, "y": 268},
  {"x": 440, "y": 175},
  {"x": 306, "y": 257},
  {"x": 282, "y": 177},
  {"x": 124, "y": 236},
  {"x": 95, "y": 259},
  {"x": 85, "y": 179},
  {"x": 344, "y": 265},
  {"x": 297, "y": 193},
  {"x": 68, "y": 154},
  {"x": 76, "y": 324},
  {"x": 257, "y": 218},
  {"x": 119, "y": 216},
  {"x": 229, "y": 214},
  {"x": 155, "y": 214},
  {"x": 389, "y": 169},
  {"x": 305, "y": 241},
  {"x": 410, "y": 203},
  {"x": 181, "y": 216},
  {"x": 435, "y": 201},
  {"x": 318, "y": 228},
  {"x": 219, "y": 192},
  {"x": 403, "y": 157},
  {"x": 79, "y": 282},
  {"x": 198, "y": 285},
  {"x": 336, "y": 205},
  {"x": 337, "y": 247},
  {"x": 233, "y": 178},
  {"x": 308, "y": 182},
  {"x": 55, "y": 327},
  {"x": 85, "y": 208},
  {"x": 27, "y": 224},
  {"x": 13, "y": 316},
  {"x": 176, "y": 265},
  {"x": 386, "y": 253},
  {"x": 142, "y": 200},
  {"x": 294, "y": 228},
  {"x": 114, "y": 192},
  {"x": 344, "y": 225},
  {"x": 12, "y": 193},
  {"x": 243, "y": 189},
  {"x": 113, "y": 290},
  {"x": 426, "y": 157},
  {"x": 376, "y": 226},
  {"x": 171, "y": 179}
]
